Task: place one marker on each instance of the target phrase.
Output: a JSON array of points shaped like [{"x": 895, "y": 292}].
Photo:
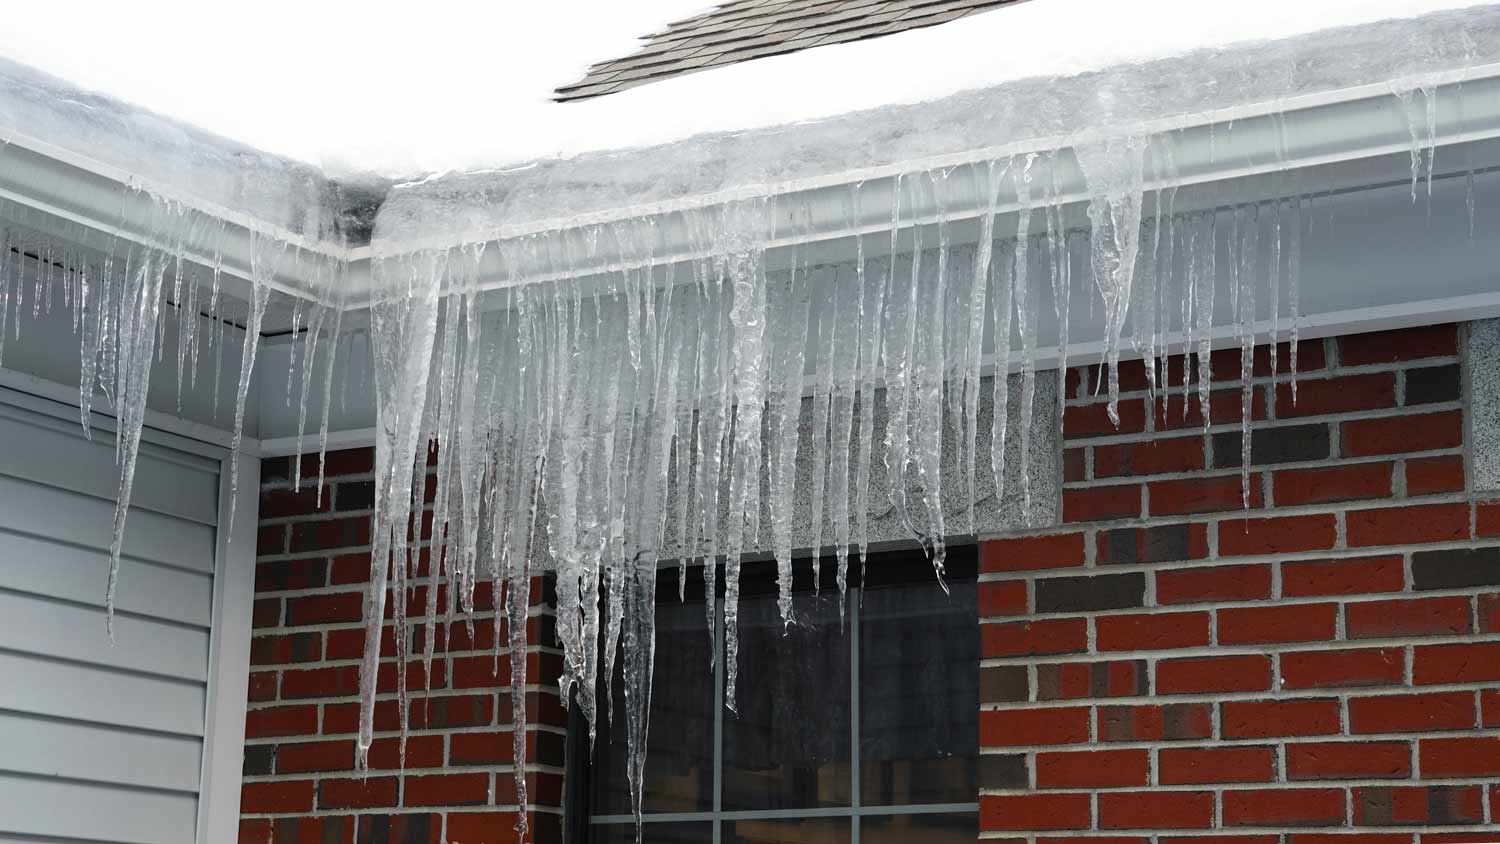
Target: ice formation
[{"x": 590, "y": 375}]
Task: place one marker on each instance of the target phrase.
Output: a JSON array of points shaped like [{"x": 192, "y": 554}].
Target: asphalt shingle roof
[{"x": 742, "y": 30}]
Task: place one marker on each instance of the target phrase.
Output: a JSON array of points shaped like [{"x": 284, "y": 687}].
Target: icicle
[
  {"x": 1294, "y": 287},
  {"x": 788, "y": 342},
  {"x": 1203, "y": 253},
  {"x": 988, "y": 185},
  {"x": 1113, "y": 169},
  {"x": 1245, "y": 328},
  {"x": 265, "y": 252}
]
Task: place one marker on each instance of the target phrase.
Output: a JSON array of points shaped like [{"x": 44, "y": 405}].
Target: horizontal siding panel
[
  {"x": 67, "y": 572},
  {"x": 98, "y": 754},
  {"x": 94, "y": 812},
  {"x": 48, "y": 628},
  {"x": 99, "y": 695},
  {"x": 57, "y": 454},
  {"x": 41, "y": 510}
]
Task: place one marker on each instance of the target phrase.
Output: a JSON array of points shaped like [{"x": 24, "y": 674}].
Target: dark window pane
[
  {"x": 652, "y": 833},
  {"x": 800, "y": 831},
  {"x": 788, "y": 748},
  {"x": 919, "y": 694},
  {"x": 928, "y": 829},
  {"x": 680, "y": 749}
]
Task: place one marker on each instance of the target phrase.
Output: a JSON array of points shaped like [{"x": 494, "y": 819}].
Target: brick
[
  {"x": 279, "y": 797},
  {"x": 1152, "y": 632},
  {"x": 1102, "y": 503},
  {"x": 1002, "y": 598},
  {"x": 341, "y": 718},
  {"x": 1356, "y": 576},
  {"x": 1399, "y": 345},
  {"x": 1344, "y": 760},
  {"x": 266, "y": 612},
  {"x": 1092, "y": 420},
  {"x": 330, "y": 533},
  {"x": 1345, "y": 394},
  {"x": 309, "y": 756},
  {"x": 1075, "y": 465},
  {"x": 1487, "y": 518},
  {"x": 1284, "y": 807},
  {"x": 1274, "y": 718},
  {"x": 1437, "y": 805},
  {"x": 498, "y": 827},
  {"x": 1020, "y": 638},
  {"x": 1341, "y": 669},
  {"x": 281, "y": 721},
  {"x": 1197, "y": 675},
  {"x": 1469, "y": 756},
  {"x": 1277, "y": 535},
  {"x": 1022, "y": 727},
  {"x": 280, "y": 575},
  {"x": 335, "y": 681},
  {"x": 354, "y": 495},
  {"x": 489, "y": 748},
  {"x": 1091, "y": 594},
  {"x": 1151, "y": 457},
  {"x": 1004, "y": 684},
  {"x": 1456, "y": 568},
  {"x": 421, "y": 752},
  {"x": 1411, "y": 713},
  {"x": 325, "y": 609},
  {"x": 1433, "y": 384},
  {"x": 1156, "y": 810},
  {"x": 1008, "y": 770},
  {"x": 1093, "y": 769},
  {"x": 1026, "y": 553},
  {"x": 348, "y": 461},
  {"x": 1201, "y": 495},
  {"x": 1035, "y": 811},
  {"x": 1407, "y": 525},
  {"x": 1083, "y": 380},
  {"x": 1351, "y": 838},
  {"x": 255, "y": 831},
  {"x": 263, "y": 685},
  {"x": 404, "y": 828},
  {"x": 1411, "y": 617},
  {"x": 1207, "y": 765},
  {"x": 1489, "y": 702},
  {"x": 270, "y": 539},
  {"x": 1079, "y": 680},
  {"x": 1172, "y": 722},
  {"x": 260, "y": 760},
  {"x": 280, "y": 502},
  {"x": 1466, "y": 663},
  {"x": 1213, "y": 583},
  {"x": 1433, "y": 475},
  {"x": 1156, "y": 544},
  {"x": 281, "y": 650},
  {"x": 1224, "y": 408},
  {"x": 1401, "y": 434},
  {"x": 356, "y": 792},
  {"x": 446, "y": 790},
  {"x": 1272, "y": 446},
  {"x": 1278, "y": 623},
  {"x": 1325, "y": 484},
  {"x": 1489, "y": 613}
]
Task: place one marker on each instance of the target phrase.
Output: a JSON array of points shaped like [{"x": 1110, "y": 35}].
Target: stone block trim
[
  {"x": 455, "y": 783},
  {"x": 1170, "y": 665}
]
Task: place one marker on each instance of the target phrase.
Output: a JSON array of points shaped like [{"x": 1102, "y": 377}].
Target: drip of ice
[{"x": 1114, "y": 170}]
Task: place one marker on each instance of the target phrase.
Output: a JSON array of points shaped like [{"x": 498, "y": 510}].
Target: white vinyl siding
[{"x": 102, "y": 742}]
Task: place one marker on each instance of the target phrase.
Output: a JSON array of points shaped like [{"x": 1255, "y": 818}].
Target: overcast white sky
[{"x": 413, "y": 87}]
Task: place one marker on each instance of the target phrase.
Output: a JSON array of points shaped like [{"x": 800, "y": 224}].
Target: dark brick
[
  {"x": 1455, "y": 568},
  {"x": 1091, "y": 594},
  {"x": 1163, "y": 543},
  {"x": 1416, "y": 805},
  {"x": 1076, "y": 680},
  {"x": 1005, "y": 684},
  {"x": 395, "y": 829},
  {"x": 260, "y": 760},
  {"x": 1285, "y": 444},
  {"x": 1432, "y": 384},
  {"x": 1002, "y": 771},
  {"x": 355, "y": 495}
]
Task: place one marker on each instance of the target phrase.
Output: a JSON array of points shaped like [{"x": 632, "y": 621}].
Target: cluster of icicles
[{"x": 596, "y": 428}]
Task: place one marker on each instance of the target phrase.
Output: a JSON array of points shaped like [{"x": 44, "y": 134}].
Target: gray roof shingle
[{"x": 742, "y": 30}]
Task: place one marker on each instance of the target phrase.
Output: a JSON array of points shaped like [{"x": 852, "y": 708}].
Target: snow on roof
[
  {"x": 743, "y": 30},
  {"x": 360, "y": 87}
]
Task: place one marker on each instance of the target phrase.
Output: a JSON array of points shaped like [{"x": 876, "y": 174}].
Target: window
[{"x": 860, "y": 731}]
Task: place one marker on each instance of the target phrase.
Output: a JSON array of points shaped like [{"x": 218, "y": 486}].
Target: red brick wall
[
  {"x": 1168, "y": 667},
  {"x": 300, "y": 785}
]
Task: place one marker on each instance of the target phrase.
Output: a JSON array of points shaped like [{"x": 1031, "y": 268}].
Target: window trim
[{"x": 579, "y": 767}]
